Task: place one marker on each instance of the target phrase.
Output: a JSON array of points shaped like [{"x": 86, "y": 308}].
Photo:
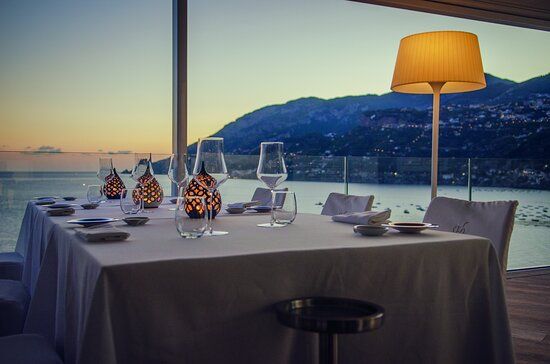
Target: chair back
[
  {"x": 493, "y": 220},
  {"x": 264, "y": 196},
  {"x": 339, "y": 203}
]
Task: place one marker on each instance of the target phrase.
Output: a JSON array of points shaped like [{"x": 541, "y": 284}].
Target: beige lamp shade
[{"x": 449, "y": 58}]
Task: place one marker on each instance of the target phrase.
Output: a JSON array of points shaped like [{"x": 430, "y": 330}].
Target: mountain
[{"x": 506, "y": 119}]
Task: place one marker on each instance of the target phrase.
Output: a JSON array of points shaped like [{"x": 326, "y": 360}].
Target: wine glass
[
  {"x": 210, "y": 160},
  {"x": 105, "y": 171},
  {"x": 272, "y": 172},
  {"x": 177, "y": 173},
  {"x": 142, "y": 170}
]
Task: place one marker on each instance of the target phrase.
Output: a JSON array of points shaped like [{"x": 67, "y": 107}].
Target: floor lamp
[{"x": 438, "y": 63}]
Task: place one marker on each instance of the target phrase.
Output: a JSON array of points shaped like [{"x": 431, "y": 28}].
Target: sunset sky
[{"x": 79, "y": 75}]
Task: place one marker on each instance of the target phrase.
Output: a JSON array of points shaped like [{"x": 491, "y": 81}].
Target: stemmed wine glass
[
  {"x": 210, "y": 159},
  {"x": 142, "y": 170},
  {"x": 272, "y": 172},
  {"x": 177, "y": 173},
  {"x": 105, "y": 171}
]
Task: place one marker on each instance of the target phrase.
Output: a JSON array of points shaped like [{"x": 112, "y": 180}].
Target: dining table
[{"x": 159, "y": 298}]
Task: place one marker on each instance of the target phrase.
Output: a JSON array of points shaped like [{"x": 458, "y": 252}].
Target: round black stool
[{"x": 330, "y": 316}]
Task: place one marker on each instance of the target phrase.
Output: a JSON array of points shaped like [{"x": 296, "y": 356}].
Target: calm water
[{"x": 530, "y": 241}]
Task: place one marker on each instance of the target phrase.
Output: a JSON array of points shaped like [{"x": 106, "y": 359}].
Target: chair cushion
[
  {"x": 339, "y": 203},
  {"x": 27, "y": 349},
  {"x": 11, "y": 266},
  {"x": 493, "y": 220},
  {"x": 14, "y": 302}
]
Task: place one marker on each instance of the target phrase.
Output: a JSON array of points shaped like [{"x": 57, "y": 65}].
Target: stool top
[{"x": 330, "y": 315}]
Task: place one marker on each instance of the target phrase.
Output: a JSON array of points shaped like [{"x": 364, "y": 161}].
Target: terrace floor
[{"x": 528, "y": 298}]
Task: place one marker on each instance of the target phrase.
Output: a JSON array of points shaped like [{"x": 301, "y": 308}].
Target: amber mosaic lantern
[
  {"x": 113, "y": 186},
  {"x": 151, "y": 190},
  {"x": 194, "y": 208}
]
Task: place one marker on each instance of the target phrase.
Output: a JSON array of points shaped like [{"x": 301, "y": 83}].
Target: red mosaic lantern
[
  {"x": 151, "y": 190},
  {"x": 114, "y": 186},
  {"x": 194, "y": 208}
]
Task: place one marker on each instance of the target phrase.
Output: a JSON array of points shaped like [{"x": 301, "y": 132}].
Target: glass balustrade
[{"x": 400, "y": 184}]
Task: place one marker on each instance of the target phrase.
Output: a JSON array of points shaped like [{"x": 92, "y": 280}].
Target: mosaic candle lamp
[
  {"x": 195, "y": 188},
  {"x": 152, "y": 192},
  {"x": 113, "y": 186}
]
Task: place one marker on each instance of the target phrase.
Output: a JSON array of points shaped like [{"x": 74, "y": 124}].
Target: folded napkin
[
  {"x": 243, "y": 205},
  {"x": 364, "y": 218},
  {"x": 236, "y": 205},
  {"x": 105, "y": 233},
  {"x": 44, "y": 202},
  {"x": 65, "y": 211}
]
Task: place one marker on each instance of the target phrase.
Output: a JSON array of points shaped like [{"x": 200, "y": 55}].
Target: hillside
[{"x": 498, "y": 121}]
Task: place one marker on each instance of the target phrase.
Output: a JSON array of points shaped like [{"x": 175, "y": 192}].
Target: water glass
[
  {"x": 285, "y": 207},
  {"x": 271, "y": 171},
  {"x": 131, "y": 201},
  {"x": 95, "y": 194},
  {"x": 187, "y": 227}
]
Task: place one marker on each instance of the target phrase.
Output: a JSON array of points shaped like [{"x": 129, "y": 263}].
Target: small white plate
[
  {"x": 410, "y": 227},
  {"x": 91, "y": 221}
]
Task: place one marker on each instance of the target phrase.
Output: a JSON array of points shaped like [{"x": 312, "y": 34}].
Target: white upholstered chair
[
  {"x": 11, "y": 265},
  {"x": 339, "y": 203},
  {"x": 14, "y": 302},
  {"x": 493, "y": 220}
]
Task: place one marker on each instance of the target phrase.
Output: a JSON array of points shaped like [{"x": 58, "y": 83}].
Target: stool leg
[{"x": 328, "y": 348}]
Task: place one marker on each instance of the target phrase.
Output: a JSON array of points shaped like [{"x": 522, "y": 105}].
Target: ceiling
[{"x": 534, "y": 14}]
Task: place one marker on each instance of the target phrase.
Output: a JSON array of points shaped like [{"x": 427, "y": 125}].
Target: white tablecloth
[{"x": 157, "y": 298}]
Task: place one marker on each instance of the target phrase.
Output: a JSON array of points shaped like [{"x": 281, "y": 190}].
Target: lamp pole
[
  {"x": 436, "y": 87},
  {"x": 179, "y": 85}
]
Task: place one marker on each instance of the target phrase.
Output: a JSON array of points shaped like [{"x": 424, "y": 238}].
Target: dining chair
[
  {"x": 264, "y": 196},
  {"x": 493, "y": 220},
  {"x": 339, "y": 203},
  {"x": 27, "y": 349},
  {"x": 14, "y": 302},
  {"x": 11, "y": 266}
]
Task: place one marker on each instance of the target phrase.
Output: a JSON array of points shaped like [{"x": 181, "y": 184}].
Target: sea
[{"x": 530, "y": 245}]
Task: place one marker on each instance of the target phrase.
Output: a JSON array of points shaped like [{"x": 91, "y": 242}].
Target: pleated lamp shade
[{"x": 450, "y": 58}]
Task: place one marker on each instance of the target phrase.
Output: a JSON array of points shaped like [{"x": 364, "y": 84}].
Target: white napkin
[
  {"x": 65, "y": 211},
  {"x": 364, "y": 218},
  {"x": 240, "y": 205},
  {"x": 97, "y": 234}
]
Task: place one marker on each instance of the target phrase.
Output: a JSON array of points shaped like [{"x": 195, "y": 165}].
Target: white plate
[
  {"x": 410, "y": 227},
  {"x": 91, "y": 221}
]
